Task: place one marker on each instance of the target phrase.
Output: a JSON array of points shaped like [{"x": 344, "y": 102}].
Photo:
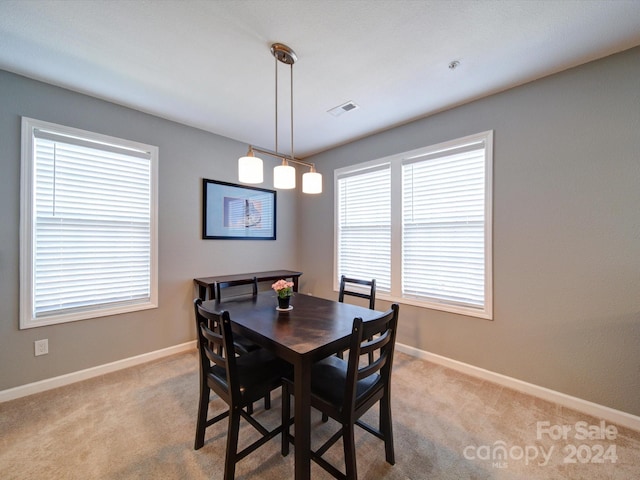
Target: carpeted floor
[{"x": 139, "y": 424}]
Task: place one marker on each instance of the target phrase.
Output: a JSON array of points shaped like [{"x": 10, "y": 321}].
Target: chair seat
[
  {"x": 258, "y": 372},
  {"x": 329, "y": 380}
]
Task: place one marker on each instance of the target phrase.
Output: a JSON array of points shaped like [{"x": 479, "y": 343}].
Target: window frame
[
  {"x": 27, "y": 226},
  {"x": 396, "y": 162}
]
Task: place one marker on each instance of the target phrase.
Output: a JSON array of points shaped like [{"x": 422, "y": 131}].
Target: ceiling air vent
[{"x": 344, "y": 108}]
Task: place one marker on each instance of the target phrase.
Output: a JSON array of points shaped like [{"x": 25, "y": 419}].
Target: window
[
  {"x": 88, "y": 225},
  {"x": 435, "y": 249}
]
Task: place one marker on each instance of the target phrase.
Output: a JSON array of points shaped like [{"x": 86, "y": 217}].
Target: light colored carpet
[{"x": 139, "y": 424}]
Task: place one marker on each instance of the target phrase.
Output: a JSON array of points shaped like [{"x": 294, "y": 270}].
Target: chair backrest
[
  {"x": 374, "y": 338},
  {"x": 345, "y": 290},
  {"x": 235, "y": 283},
  {"x": 217, "y": 353}
]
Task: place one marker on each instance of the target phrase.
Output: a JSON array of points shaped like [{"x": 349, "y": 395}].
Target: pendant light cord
[
  {"x": 292, "y": 155},
  {"x": 291, "y": 103},
  {"x": 276, "y": 142}
]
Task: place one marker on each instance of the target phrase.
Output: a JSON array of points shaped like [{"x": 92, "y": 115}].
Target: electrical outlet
[{"x": 41, "y": 347}]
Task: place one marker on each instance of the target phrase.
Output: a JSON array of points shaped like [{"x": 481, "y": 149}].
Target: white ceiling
[{"x": 207, "y": 63}]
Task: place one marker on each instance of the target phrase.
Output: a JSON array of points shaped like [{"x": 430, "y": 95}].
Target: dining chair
[
  {"x": 346, "y": 288},
  {"x": 237, "y": 380},
  {"x": 236, "y": 283},
  {"x": 243, "y": 344},
  {"x": 346, "y": 389}
]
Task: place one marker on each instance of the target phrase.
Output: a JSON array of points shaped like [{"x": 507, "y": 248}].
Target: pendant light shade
[
  {"x": 284, "y": 176},
  {"x": 250, "y": 168},
  {"x": 312, "y": 182}
]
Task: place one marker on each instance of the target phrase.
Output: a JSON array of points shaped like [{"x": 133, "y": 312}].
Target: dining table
[{"x": 312, "y": 329}]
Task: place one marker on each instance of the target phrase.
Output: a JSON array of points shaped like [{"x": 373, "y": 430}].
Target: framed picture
[{"x": 231, "y": 211}]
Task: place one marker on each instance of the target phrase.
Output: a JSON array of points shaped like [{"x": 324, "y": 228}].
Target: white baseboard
[
  {"x": 55, "y": 382},
  {"x": 599, "y": 411}
]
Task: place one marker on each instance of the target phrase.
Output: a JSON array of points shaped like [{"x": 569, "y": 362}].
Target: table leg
[{"x": 302, "y": 412}]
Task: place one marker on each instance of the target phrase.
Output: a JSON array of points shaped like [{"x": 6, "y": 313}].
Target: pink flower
[{"x": 283, "y": 288}]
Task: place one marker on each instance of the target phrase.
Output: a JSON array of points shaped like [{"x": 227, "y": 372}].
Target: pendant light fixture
[{"x": 284, "y": 175}]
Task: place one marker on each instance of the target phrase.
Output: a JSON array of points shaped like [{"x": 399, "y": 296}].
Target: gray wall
[
  {"x": 566, "y": 232},
  {"x": 186, "y": 156}
]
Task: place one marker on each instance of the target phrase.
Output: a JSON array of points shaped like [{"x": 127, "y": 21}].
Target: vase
[{"x": 283, "y": 302}]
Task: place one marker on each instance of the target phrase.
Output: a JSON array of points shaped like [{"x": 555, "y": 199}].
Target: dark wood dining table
[{"x": 313, "y": 329}]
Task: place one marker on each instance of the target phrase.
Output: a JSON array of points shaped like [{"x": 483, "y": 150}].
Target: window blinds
[
  {"x": 364, "y": 226},
  {"x": 443, "y": 226},
  {"x": 92, "y": 224}
]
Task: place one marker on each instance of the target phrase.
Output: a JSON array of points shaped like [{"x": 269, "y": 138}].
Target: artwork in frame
[{"x": 237, "y": 212}]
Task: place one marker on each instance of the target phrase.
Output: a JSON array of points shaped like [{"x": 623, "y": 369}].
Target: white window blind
[
  {"x": 443, "y": 226},
  {"x": 91, "y": 225},
  {"x": 364, "y": 226}
]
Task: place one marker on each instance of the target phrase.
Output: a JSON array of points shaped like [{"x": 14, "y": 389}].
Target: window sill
[{"x": 457, "y": 309}]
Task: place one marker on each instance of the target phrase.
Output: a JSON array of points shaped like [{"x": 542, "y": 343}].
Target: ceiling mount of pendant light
[{"x": 284, "y": 175}]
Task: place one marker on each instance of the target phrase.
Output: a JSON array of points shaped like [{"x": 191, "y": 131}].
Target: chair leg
[
  {"x": 232, "y": 445},
  {"x": 386, "y": 427},
  {"x": 203, "y": 409},
  {"x": 325, "y": 418},
  {"x": 267, "y": 401},
  {"x": 349, "y": 444},
  {"x": 286, "y": 414}
]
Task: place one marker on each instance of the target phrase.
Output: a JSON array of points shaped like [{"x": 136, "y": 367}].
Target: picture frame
[{"x": 237, "y": 212}]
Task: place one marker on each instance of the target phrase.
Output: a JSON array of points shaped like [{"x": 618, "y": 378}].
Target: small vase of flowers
[{"x": 284, "y": 291}]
